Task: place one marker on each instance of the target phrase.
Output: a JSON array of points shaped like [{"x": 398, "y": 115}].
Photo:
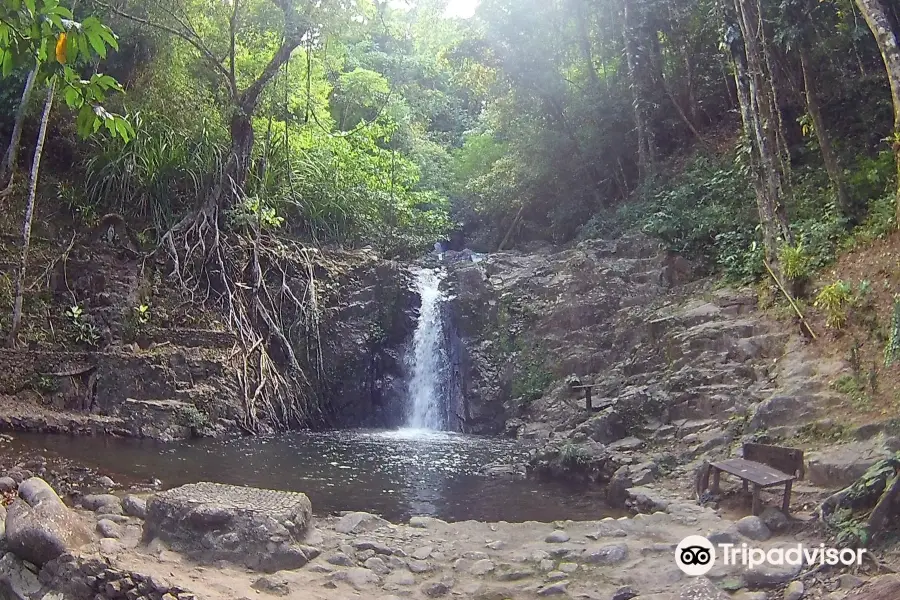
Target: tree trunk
[
  {"x": 29, "y": 215},
  {"x": 876, "y": 15},
  {"x": 828, "y": 156},
  {"x": 238, "y": 167},
  {"x": 10, "y": 158},
  {"x": 638, "y": 71}
]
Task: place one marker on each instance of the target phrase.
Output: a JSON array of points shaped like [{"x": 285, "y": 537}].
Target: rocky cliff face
[
  {"x": 667, "y": 360},
  {"x": 176, "y": 375}
]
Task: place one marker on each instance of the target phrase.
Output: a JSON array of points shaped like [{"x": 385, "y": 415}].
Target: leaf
[{"x": 97, "y": 44}]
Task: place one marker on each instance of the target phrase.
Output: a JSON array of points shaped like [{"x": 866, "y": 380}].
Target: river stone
[
  {"x": 753, "y": 528},
  {"x": 557, "y": 537},
  {"x": 794, "y": 591},
  {"x": 106, "y": 482},
  {"x": 258, "y": 529},
  {"x": 418, "y": 566},
  {"x": 39, "y": 527},
  {"x": 7, "y": 484},
  {"x": 108, "y": 529},
  {"x": 606, "y": 555},
  {"x": 359, "y": 522},
  {"x": 135, "y": 507},
  {"x": 95, "y": 502}
]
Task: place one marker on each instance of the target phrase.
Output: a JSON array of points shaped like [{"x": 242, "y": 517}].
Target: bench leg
[
  {"x": 757, "y": 500},
  {"x": 746, "y": 486},
  {"x": 715, "y": 482},
  {"x": 786, "y": 503}
]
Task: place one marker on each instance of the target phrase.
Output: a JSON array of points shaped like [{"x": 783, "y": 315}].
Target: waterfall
[{"x": 426, "y": 389}]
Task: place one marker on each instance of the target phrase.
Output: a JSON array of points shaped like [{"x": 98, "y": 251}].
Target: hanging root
[{"x": 248, "y": 279}]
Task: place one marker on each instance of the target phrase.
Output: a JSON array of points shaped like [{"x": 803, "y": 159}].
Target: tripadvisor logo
[{"x": 695, "y": 555}]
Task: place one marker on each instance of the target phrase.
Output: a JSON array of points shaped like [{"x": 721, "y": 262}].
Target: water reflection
[{"x": 394, "y": 473}]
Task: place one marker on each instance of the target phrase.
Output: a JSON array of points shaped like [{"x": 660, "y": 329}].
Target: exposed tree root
[
  {"x": 873, "y": 497},
  {"x": 249, "y": 279}
]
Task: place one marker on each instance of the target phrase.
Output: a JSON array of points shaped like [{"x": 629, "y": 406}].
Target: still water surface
[{"x": 397, "y": 474}]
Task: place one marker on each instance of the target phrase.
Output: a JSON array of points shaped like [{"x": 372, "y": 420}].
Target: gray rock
[
  {"x": 258, "y": 529},
  {"x": 7, "y": 484},
  {"x": 557, "y": 537},
  {"x": 418, "y": 566},
  {"x": 377, "y": 566},
  {"x": 274, "y": 585},
  {"x": 701, "y": 588},
  {"x": 753, "y": 528},
  {"x": 110, "y": 547},
  {"x": 624, "y": 593},
  {"x": 95, "y": 502},
  {"x": 556, "y": 589},
  {"x": 515, "y": 575},
  {"x": 359, "y": 522},
  {"x": 106, "y": 482},
  {"x": 748, "y": 595},
  {"x": 359, "y": 578},
  {"x": 607, "y": 530},
  {"x": 39, "y": 527},
  {"x": 547, "y": 565},
  {"x": 422, "y": 553},
  {"x": 373, "y": 545},
  {"x": 436, "y": 590},
  {"x": 340, "y": 559},
  {"x": 841, "y": 465},
  {"x": 108, "y": 529},
  {"x": 768, "y": 575},
  {"x": 774, "y": 519},
  {"x": 16, "y": 579},
  {"x": 727, "y": 536},
  {"x": 135, "y": 507},
  {"x": 568, "y": 567},
  {"x": 606, "y": 555},
  {"x": 496, "y": 545},
  {"x": 848, "y": 581},
  {"x": 482, "y": 567},
  {"x": 794, "y": 591}
]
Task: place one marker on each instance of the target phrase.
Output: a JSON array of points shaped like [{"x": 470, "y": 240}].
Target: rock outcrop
[{"x": 259, "y": 529}]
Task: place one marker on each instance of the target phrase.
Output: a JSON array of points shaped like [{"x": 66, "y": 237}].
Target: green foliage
[
  {"x": 835, "y": 300},
  {"x": 83, "y": 332},
  {"x": 794, "y": 262},
  {"x": 892, "y": 346},
  {"x": 45, "y": 384},
  {"x": 573, "y": 456},
  {"x": 854, "y": 388},
  {"x": 530, "y": 377},
  {"x": 191, "y": 416}
]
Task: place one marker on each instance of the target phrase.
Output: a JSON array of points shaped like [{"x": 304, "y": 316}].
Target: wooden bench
[{"x": 765, "y": 467}]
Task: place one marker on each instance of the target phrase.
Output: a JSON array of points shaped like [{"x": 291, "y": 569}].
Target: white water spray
[{"x": 429, "y": 359}]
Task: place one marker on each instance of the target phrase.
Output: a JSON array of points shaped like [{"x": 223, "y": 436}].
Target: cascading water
[{"x": 425, "y": 391}]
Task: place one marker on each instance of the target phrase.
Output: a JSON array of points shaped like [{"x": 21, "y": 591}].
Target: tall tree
[{"x": 887, "y": 33}]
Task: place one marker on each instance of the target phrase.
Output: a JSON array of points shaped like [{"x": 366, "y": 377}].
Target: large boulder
[
  {"x": 255, "y": 528},
  {"x": 39, "y": 527},
  {"x": 886, "y": 587}
]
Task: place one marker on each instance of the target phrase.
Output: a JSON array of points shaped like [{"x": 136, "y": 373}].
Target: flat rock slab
[{"x": 256, "y": 528}]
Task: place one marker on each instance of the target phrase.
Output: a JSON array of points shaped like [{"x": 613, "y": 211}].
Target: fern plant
[
  {"x": 794, "y": 262},
  {"x": 835, "y": 300}
]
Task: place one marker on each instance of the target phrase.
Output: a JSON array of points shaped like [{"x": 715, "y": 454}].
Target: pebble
[{"x": 557, "y": 537}]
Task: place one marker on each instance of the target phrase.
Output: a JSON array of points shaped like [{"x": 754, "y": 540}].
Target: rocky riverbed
[{"x": 225, "y": 542}]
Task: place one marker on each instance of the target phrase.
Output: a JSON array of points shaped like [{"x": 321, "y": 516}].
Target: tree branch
[{"x": 188, "y": 36}]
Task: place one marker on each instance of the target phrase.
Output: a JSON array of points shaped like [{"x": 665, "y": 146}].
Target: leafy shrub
[
  {"x": 835, "y": 300},
  {"x": 83, "y": 332},
  {"x": 572, "y": 456},
  {"x": 794, "y": 262}
]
